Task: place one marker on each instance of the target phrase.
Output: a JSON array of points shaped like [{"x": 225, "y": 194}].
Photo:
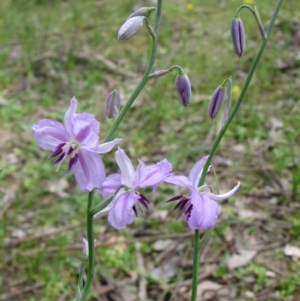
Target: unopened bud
[
  {"x": 238, "y": 36},
  {"x": 85, "y": 246},
  {"x": 216, "y": 102},
  {"x": 131, "y": 27},
  {"x": 183, "y": 88},
  {"x": 113, "y": 103},
  {"x": 144, "y": 11}
]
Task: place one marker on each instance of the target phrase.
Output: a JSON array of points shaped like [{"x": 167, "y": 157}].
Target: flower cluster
[{"x": 78, "y": 142}]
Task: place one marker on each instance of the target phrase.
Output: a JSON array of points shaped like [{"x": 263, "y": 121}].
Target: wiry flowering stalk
[{"x": 219, "y": 138}]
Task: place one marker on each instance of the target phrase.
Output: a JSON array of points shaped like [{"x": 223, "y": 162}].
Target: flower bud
[
  {"x": 85, "y": 246},
  {"x": 144, "y": 11},
  {"x": 238, "y": 36},
  {"x": 131, "y": 27},
  {"x": 183, "y": 88},
  {"x": 216, "y": 102},
  {"x": 113, "y": 103}
]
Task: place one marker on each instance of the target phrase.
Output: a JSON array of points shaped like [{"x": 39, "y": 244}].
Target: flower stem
[
  {"x": 90, "y": 236},
  {"x": 219, "y": 138},
  {"x": 144, "y": 79},
  {"x": 117, "y": 122}
]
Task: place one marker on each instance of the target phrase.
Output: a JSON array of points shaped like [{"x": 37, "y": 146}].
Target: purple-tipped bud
[
  {"x": 216, "y": 102},
  {"x": 131, "y": 27},
  {"x": 144, "y": 11},
  {"x": 113, "y": 103},
  {"x": 183, "y": 88},
  {"x": 238, "y": 36}
]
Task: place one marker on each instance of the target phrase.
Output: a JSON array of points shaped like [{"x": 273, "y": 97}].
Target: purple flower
[
  {"x": 77, "y": 140},
  {"x": 200, "y": 208},
  {"x": 123, "y": 206}
]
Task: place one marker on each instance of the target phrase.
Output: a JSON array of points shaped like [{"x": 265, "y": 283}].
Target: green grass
[{"x": 48, "y": 53}]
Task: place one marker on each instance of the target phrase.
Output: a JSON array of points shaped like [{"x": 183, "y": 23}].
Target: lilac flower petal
[
  {"x": 70, "y": 115},
  {"x": 86, "y": 130},
  {"x": 140, "y": 174},
  {"x": 221, "y": 197},
  {"x": 49, "y": 134},
  {"x": 126, "y": 167},
  {"x": 112, "y": 203},
  {"x": 194, "y": 216},
  {"x": 204, "y": 213},
  {"x": 110, "y": 185},
  {"x": 179, "y": 180},
  {"x": 89, "y": 170},
  {"x": 108, "y": 146},
  {"x": 122, "y": 213},
  {"x": 196, "y": 172},
  {"x": 155, "y": 174}
]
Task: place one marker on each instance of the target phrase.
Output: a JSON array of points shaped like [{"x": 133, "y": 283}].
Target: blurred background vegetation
[{"x": 53, "y": 50}]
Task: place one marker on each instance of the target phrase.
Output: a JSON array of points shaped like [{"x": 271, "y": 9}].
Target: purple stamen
[
  {"x": 175, "y": 198},
  {"x": 135, "y": 211},
  {"x": 59, "y": 158},
  {"x": 188, "y": 211},
  {"x": 72, "y": 162},
  {"x": 57, "y": 151}
]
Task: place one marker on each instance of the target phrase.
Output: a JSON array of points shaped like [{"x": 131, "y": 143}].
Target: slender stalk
[
  {"x": 144, "y": 79},
  {"x": 118, "y": 120},
  {"x": 219, "y": 138},
  {"x": 90, "y": 236}
]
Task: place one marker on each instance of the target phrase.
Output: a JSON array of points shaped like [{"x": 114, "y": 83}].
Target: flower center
[{"x": 63, "y": 150}]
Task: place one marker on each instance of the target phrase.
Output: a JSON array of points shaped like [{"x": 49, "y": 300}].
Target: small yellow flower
[
  {"x": 190, "y": 7},
  {"x": 249, "y": 1},
  {"x": 236, "y": 91}
]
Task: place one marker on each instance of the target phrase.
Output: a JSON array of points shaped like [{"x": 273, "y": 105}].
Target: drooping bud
[
  {"x": 113, "y": 103},
  {"x": 216, "y": 102},
  {"x": 131, "y": 27},
  {"x": 238, "y": 36},
  {"x": 144, "y": 11},
  {"x": 183, "y": 88}
]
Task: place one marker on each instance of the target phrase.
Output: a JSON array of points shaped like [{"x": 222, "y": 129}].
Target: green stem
[
  {"x": 144, "y": 79},
  {"x": 256, "y": 16},
  {"x": 90, "y": 236},
  {"x": 219, "y": 138}
]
